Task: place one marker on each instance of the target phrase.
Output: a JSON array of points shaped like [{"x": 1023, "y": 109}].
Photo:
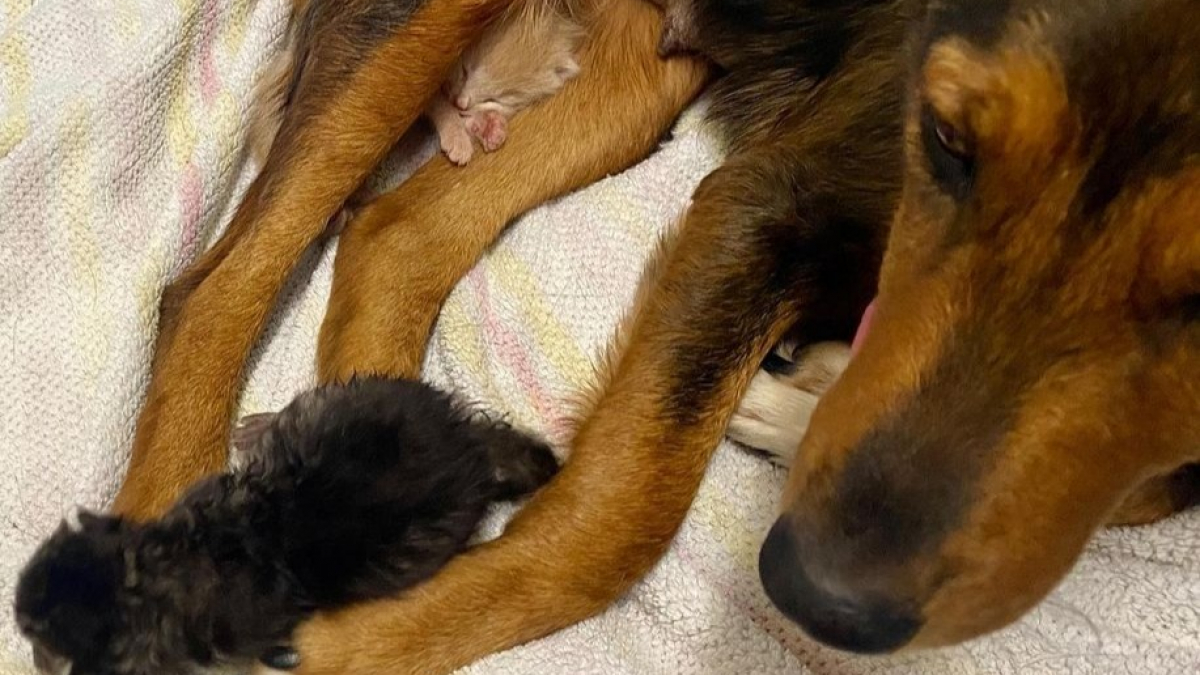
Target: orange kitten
[{"x": 526, "y": 57}]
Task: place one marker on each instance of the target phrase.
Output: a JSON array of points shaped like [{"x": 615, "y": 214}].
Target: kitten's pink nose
[{"x": 463, "y": 101}]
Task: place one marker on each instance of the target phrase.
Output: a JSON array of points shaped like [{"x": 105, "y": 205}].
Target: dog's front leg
[
  {"x": 369, "y": 66},
  {"x": 719, "y": 296},
  {"x": 402, "y": 255}
]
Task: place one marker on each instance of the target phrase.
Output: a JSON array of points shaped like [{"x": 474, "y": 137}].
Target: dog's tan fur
[{"x": 807, "y": 153}]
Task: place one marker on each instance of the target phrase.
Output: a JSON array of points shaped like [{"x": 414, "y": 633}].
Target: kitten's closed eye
[
  {"x": 567, "y": 70},
  {"x": 506, "y": 99}
]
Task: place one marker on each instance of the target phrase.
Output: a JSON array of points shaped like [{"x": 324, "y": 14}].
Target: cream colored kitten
[{"x": 524, "y": 58}]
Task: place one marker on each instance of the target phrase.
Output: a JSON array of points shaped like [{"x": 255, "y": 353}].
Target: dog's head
[{"x": 1035, "y": 350}]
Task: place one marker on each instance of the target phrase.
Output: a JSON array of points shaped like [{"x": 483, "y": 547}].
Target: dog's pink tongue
[{"x": 864, "y": 326}]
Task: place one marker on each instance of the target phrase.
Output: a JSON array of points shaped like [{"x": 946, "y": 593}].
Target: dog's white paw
[{"x": 774, "y": 413}]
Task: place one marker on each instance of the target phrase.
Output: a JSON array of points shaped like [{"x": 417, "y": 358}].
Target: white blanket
[{"x": 120, "y": 131}]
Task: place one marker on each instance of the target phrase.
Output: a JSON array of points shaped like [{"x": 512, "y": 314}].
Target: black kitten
[{"x": 350, "y": 493}]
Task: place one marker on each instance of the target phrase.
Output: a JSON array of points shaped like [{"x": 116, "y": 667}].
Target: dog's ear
[{"x": 67, "y": 597}]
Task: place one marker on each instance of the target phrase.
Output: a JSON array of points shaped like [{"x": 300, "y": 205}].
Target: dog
[
  {"x": 1026, "y": 376},
  {"x": 352, "y": 492}
]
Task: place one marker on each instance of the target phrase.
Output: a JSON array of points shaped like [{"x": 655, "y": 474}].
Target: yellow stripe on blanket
[
  {"x": 129, "y": 21},
  {"x": 14, "y": 62},
  {"x": 556, "y": 345},
  {"x": 75, "y": 208},
  {"x": 187, "y": 7},
  {"x": 237, "y": 22},
  {"x": 180, "y": 127},
  {"x": 225, "y": 120},
  {"x": 14, "y": 10}
]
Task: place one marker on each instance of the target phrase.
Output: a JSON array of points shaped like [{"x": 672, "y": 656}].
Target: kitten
[
  {"x": 524, "y": 58},
  {"x": 350, "y": 493}
]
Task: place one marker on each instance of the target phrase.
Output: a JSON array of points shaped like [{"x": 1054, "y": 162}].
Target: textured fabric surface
[{"x": 120, "y": 130}]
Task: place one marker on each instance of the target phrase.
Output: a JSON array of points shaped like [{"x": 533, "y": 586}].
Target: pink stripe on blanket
[
  {"x": 191, "y": 202},
  {"x": 210, "y": 81},
  {"x": 509, "y": 348}
]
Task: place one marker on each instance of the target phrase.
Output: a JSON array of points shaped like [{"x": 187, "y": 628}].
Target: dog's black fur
[{"x": 351, "y": 492}]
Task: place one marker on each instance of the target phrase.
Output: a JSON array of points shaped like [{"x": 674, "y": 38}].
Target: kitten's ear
[
  {"x": 566, "y": 70},
  {"x": 251, "y": 439},
  {"x": 80, "y": 519},
  {"x": 73, "y": 521}
]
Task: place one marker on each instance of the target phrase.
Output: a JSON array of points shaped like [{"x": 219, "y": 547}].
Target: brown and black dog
[{"x": 1032, "y": 370}]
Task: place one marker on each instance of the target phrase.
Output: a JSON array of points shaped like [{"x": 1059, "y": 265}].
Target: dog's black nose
[{"x": 856, "y": 624}]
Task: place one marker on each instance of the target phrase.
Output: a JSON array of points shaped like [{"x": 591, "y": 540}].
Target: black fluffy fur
[{"x": 351, "y": 492}]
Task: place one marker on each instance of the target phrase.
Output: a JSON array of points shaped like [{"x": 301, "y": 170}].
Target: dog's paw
[{"x": 774, "y": 413}]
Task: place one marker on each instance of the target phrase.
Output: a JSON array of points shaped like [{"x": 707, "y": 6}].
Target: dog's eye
[
  {"x": 1191, "y": 309},
  {"x": 951, "y": 139},
  {"x": 950, "y": 153}
]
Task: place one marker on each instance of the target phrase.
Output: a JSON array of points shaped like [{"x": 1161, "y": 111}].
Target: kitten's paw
[
  {"x": 279, "y": 660},
  {"x": 774, "y": 413},
  {"x": 247, "y": 438},
  {"x": 474, "y": 125},
  {"x": 320, "y": 647},
  {"x": 458, "y": 148},
  {"x": 363, "y": 196},
  {"x": 491, "y": 128}
]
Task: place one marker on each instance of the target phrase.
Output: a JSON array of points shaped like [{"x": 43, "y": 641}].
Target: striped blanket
[{"x": 121, "y": 125}]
